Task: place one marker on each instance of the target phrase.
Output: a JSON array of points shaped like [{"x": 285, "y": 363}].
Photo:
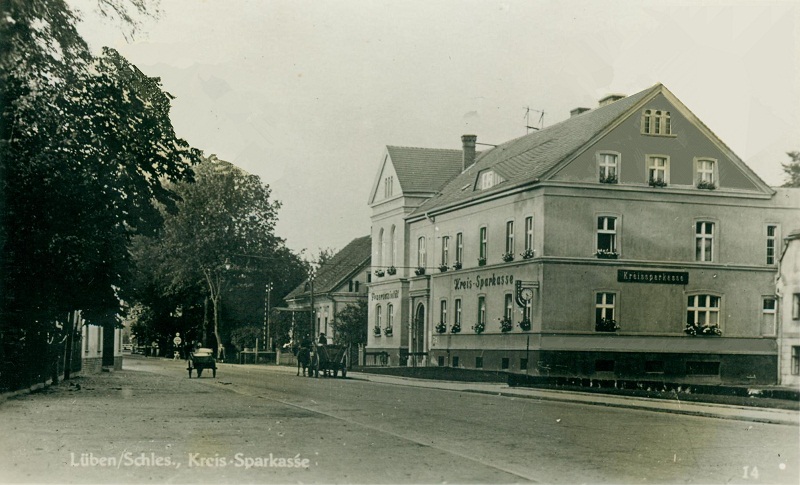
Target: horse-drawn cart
[
  {"x": 200, "y": 360},
  {"x": 332, "y": 359}
]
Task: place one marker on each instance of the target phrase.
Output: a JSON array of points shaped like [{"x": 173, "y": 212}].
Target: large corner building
[{"x": 626, "y": 241}]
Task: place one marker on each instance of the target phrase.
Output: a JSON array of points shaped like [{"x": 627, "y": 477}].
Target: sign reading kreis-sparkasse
[
  {"x": 653, "y": 277},
  {"x": 480, "y": 282}
]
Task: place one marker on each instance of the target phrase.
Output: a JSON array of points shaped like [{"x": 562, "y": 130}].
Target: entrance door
[{"x": 418, "y": 336}]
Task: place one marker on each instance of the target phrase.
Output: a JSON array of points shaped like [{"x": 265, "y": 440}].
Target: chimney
[
  {"x": 577, "y": 111},
  {"x": 610, "y": 99},
  {"x": 468, "y": 153}
]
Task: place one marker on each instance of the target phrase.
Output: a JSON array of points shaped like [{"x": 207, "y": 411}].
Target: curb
[{"x": 12, "y": 394}]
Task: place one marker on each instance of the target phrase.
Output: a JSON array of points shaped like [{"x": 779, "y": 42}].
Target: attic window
[
  {"x": 656, "y": 122},
  {"x": 488, "y": 179}
]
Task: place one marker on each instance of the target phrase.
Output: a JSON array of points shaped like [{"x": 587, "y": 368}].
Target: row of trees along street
[{"x": 104, "y": 209}]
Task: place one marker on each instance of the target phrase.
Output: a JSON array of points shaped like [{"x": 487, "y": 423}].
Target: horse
[{"x": 307, "y": 359}]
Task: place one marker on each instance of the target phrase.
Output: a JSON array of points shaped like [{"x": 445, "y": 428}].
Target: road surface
[{"x": 151, "y": 423}]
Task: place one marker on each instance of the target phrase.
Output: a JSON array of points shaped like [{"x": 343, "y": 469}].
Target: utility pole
[{"x": 267, "y": 335}]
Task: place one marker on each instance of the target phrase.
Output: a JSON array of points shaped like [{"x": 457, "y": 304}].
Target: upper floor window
[
  {"x": 445, "y": 250},
  {"x": 706, "y": 173},
  {"x": 510, "y": 237},
  {"x": 389, "y": 315},
  {"x": 381, "y": 247},
  {"x": 457, "y": 311},
  {"x": 768, "y": 314},
  {"x": 392, "y": 246},
  {"x": 608, "y": 167},
  {"x": 388, "y": 186},
  {"x": 606, "y": 236},
  {"x": 796, "y": 306},
  {"x": 704, "y": 241},
  {"x": 656, "y": 122},
  {"x": 702, "y": 310},
  {"x": 421, "y": 256},
  {"x": 378, "y": 316},
  {"x": 443, "y": 311},
  {"x": 528, "y": 233},
  {"x": 772, "y": 243},
  {"x": 459, "y": 248},
  {"x": 508, "y": 308},
  {"x": 482, "y": 244},
  {"x": 489, "y": 179},
  {"x": 657, "y": 170}
]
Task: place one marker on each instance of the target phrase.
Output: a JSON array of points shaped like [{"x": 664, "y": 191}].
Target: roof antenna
[{"x": 528, "y": 126}]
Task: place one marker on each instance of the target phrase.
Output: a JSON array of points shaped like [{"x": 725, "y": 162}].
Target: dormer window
[
  {"x": 656, "y": 122},
  {"x": 488, "y": 179}
]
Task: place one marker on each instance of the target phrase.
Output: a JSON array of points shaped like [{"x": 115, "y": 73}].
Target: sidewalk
[{"x": 722, "y": 411}]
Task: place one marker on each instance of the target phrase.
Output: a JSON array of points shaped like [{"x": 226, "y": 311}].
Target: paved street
[{"x": 150, "y": 423}]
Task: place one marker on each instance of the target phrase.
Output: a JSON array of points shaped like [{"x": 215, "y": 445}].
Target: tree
[
  {"x": 222, "y": 237},
  {"x": 792, "y": 170},
  {"x": 350, "y": 324},
  {"x": 85, "y": 145}
]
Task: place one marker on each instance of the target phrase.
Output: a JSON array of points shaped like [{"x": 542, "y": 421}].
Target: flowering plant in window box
[
  {"x": 387, "y": 331},
  {"x": 479, "y": 327},
  {"x": 704, "y": 184},
  {"x": 481, "y": 261},
  {"x": 606, "y": 325},
  {"x": 657, "y": 182},
  {"x": 525, "y": 324},
  {"x": 457, "y": 265},
  {"x": 697, "y": 329},
  {"x": 506, "y": 325},
  {"x": 419, "y": 271},
  {"x": 443, "y": 268},
  {"x": 527, "y": 254},
  {"x": 456, "y": 328},
  {"x": 391, "y": 270},
  {"x": 376, "y": 331},
  {"x": 379, "y": 273},
  {"x": 508, "y": 257},
  {"x": 608, "y": 179},
  {"x": 441, "y": 327},
  {"x": 606, "y": 254}
]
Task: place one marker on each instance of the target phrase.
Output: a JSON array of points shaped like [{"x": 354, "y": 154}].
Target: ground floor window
[
  {"x": 768, "y": 307},
  {"x": 455, "y": 361},
  {"x": 504, "y": 363},
  {"x": 604, "y": 365},
  {"x": 523, "y": 364},
  {"x": 702, "y": 310},
  {"x": 479, "y": 362},
  {"x": 441, "y": 361},
  {"x": 795, "y": 361},
  {"x": 654, "y": 367}
]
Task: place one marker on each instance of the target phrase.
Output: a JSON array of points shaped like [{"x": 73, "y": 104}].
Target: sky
[{"x": 307, "y": 94}]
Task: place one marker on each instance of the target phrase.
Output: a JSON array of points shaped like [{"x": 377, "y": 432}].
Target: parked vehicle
[{"x": 201, "y": 359}]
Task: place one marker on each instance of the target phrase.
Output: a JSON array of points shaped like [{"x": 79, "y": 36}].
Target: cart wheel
[
  {"x": 199, "y": 372},
  {"x": 214, "y": 372},
  {"x": 190, "y": 372}
]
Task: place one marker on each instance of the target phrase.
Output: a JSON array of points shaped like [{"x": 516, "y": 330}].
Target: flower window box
[
  {"x": 703, "y": 184},
  {"x": 606, "y": 254},
  {"x": 443, "y": 268},
  {"x": 419, "y": 271},
  {"x": 391, "y": 270},
  {"x": 527, "y": 254},
  {"x": 479, "y": 327},
  {"x": 481, "y": 261},
  {"x": 525, "y": 324},
  {"x": 441, "y": 327},
  {"x": 379, "y": 273},
  {"x": 457, "y": 265},
  {"x": 376, "y": 331},
  {"x": 456, "y": 328},
  {"x": 608, "y": 179},
  {"x": 508, "y": 257},
  {"x": 387, "y": 331},
  {"x": 606, "y": 325},
  {"x": 506, "y": 325},
  {"x": 702, "y": 330},
  {"x": 657, "y": 182}
]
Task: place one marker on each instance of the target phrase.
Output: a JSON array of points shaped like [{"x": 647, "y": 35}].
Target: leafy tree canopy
[
  {"x": 350, "y": 324},
  {"x": 792, "y": 170}
]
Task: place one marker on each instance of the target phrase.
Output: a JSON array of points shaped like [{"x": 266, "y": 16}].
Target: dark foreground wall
[{"x": 672, "y": 367}]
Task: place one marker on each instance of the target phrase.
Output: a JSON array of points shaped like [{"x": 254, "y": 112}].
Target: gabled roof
[
  {"x": 424, "y": 169},
  {"x": 342, "y": 266},
  {"x": 531, "y": 157}
]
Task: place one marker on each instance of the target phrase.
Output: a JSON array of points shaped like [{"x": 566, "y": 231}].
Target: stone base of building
[
  {"x": 672, "y": 367},
  {"x": 94, "y": 365},
  {"x": 393, "y": 357}
]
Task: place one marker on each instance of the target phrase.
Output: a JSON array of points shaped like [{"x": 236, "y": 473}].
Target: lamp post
[
  {"x": 311, "y": 275},
  {"x": 267, "y": 336}
]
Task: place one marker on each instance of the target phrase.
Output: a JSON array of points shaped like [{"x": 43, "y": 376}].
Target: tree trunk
[
  {"x": 205, "y": 322},
  {"x": 220, "y": 348}
]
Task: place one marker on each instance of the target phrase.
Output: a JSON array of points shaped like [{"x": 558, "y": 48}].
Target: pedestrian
[{"x": 177, "y": 343}]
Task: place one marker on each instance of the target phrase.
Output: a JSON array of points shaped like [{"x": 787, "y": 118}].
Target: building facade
[
  {"x": 789, "y": 310},
  {"x": 627, "y": 241},
  {"x": 339, "y": 282},
  {"x": 101, "y": 347}
]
